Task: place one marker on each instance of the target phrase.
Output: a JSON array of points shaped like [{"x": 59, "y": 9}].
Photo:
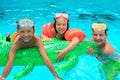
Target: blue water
[{"x": 82, "y": 14}]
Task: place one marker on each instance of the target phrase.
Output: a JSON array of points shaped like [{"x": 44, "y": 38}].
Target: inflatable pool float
[{"x": 30, "y": 57}]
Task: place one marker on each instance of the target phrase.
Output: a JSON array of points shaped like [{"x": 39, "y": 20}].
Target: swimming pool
[{"x": 82, "y": 14}]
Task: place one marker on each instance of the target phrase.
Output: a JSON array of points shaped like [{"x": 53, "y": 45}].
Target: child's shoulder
[
  {"x": 108, "y": 48},
  {"x": 36, "y": 39}
]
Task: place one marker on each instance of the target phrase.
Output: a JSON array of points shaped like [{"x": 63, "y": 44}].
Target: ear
[
  {"x": 92, "y": 33},
  {"x": 34, "y": 30}
]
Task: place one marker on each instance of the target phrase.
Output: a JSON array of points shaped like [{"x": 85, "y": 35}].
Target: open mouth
[
  {"x": 61, "y": 29},
  {"x": 98, "y": 42}
]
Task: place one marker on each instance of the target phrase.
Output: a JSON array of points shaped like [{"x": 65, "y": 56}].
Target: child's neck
[
  {"x": 59, "y": 36},
  {"x": 102, "y": 46}
]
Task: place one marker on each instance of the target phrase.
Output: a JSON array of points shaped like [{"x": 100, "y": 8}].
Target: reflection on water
[
  {"x": 82, "y": 14},
  {"x": 97, "y": 17}
]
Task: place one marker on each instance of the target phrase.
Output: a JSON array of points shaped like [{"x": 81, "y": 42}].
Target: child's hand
[
  {"x": 91, "y": 39},
  {"x": 45, "y": 39},
  {"x": 1, "y": 78},
  {"x": 61, "y": 54},
  {"x": 58, "y": 78},
  {"x": 90, "y": 50}
]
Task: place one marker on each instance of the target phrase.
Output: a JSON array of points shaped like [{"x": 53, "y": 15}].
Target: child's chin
[
  {"x": 99, "y": 43},
  {"x": 26, "y": 41}
]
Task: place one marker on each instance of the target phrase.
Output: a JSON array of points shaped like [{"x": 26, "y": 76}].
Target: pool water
[{"x": 82, "y": 14}]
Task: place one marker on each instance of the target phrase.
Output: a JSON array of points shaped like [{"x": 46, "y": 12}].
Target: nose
[
  {"x": 61, "y": 26},
  {"x": 25, "y": 34},
  {"x": 97, "y": 37}
]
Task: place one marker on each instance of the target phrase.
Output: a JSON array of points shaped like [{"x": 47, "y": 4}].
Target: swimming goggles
[
  {"x": 26, "y": 22},
  {"x": 99, "y": 26},
  {"x": 59, "y": 15}
]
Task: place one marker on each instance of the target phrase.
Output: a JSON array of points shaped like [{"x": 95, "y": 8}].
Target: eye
[
  {"x": 22, "y": 31},
  {"x": 29, "y": 31},
  {"x": 95, "y": 34},
  {"x": 64, "y": 24},
  {"x": 101, "y": 34},
  {"x": 58, "y": 24}
]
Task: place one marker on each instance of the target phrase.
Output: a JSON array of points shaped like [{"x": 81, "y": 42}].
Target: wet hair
[
  {"x": 101, "y": 23},
  {"x": 105, "y": 31}
]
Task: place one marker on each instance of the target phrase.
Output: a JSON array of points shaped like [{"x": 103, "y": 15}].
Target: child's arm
[
  {"x": 10, "y": 60},
  {"x": 108, "y": 49},
  {"x": 72, "y": 44},
  {"x": 46, "y": 59},
  {"x": 90, "y": 50},
  {"x": 91, "y": 39},
  {"x": 44, "y": 38},
  {"x": 47, "y": 32}
]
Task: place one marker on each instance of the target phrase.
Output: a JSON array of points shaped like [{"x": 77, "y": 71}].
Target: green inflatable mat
[{"x": 31, "y": 57}]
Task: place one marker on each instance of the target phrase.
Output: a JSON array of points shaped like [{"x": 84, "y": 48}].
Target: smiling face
[
  {"x": 61, "y": 25},
  {"x": 99, "y": 37},
  {"x": 26, "y": 33}
]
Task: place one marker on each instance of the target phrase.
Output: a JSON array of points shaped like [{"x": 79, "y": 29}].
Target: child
[
  {"x": 60, "y": 30},
  {"x": 99, "y": 35},
  {"x": 26, "y": 39}
]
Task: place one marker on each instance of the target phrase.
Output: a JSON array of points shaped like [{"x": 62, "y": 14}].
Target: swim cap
[
  {"x": 99, "y": 26},
  {"x": 26, "y": 22},
  {"x": 59, "y": 15}
]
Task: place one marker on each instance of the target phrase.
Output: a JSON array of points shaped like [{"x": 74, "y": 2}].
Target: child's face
[
  {"x": 61, "y": 25},
  {"x": 26, "y": 33},
  {"x": 99, "y": 36}
]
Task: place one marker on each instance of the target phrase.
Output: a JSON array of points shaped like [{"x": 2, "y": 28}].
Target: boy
[
  {"x": 99, "y": 37},
  {"x": 26, "y": 39}
]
